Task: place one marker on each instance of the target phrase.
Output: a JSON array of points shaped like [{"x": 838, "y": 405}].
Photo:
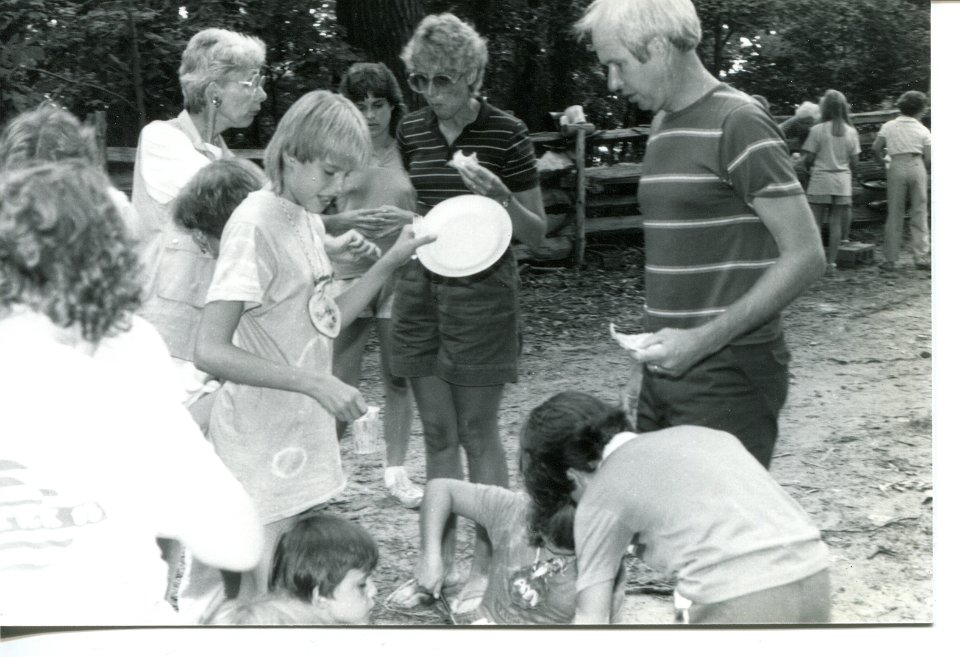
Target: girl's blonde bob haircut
[
  {"x": 210, "y": 56},
  {"x": 443, "y": 42},
  {"x": 321, "y": 125},
  {"x": 637, "y": 22}
]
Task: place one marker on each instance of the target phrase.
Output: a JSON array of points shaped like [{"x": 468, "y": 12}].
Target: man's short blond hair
[
  {"x": 321, "y": 125},
  {"x": 637, "y": 22}
]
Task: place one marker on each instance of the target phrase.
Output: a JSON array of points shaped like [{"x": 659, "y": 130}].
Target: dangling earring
[{"x": 216, "y": 101}]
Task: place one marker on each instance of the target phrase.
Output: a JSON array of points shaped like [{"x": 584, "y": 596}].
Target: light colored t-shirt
[
  {"x": 905, "y": 134},
  {"x": 705, "y": 510},
  {"x": 517, "y": 567},
  {"x": 281, "y": 445},
  {"x": 830, "y": 174},
  {"x": 98, "y": 459}
]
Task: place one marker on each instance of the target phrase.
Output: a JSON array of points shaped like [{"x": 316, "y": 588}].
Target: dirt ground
[{"x": 855, "y": 445}]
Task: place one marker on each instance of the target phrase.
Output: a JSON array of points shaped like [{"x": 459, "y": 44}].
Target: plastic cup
[{"x": 366, "y": 431}]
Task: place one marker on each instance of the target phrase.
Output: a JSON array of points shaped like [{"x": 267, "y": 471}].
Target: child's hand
[
  {"x": 429, "y": 574},
  {"x": 344, "y": 402},
  {"x": 352, "y": 243},
  {"x": 405, "y": 246}
]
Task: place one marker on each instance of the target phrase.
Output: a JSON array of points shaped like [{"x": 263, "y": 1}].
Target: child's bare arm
[
  {"x": 442, "y": 498},
  {"x": 358, "y": 297},
  {"x": 215, "y": 353},
  {"x": 593, "y": 604}
]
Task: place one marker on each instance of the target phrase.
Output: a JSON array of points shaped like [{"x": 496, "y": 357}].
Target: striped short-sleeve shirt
[
  {"x": 705, "y": 245},
  {"x": 501, "y": 142}
]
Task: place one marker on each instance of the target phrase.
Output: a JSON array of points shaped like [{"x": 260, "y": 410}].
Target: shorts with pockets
[
  {"x": 739, "y": 389},
  {"x": 464, "y": 330}
]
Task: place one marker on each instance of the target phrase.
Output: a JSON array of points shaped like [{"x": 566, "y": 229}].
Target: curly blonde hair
[
  {"x": 444, "y": 41},
  {"x": 63, "y": 249}
]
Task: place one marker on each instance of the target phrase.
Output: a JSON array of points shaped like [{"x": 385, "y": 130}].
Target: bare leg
[
  {"x": 478, "y": 428},
  {"x": 847, "y": 221},
  {"x": 836, "y": 215},
  {"x": 398, "y": 414},
  {"x": 348, "y": 356},
  {"x": 439, "y": 418}
]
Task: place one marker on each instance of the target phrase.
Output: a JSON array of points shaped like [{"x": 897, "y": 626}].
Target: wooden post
[
  {"x": 98, "y": 121},
  {"x": 580, "y": 206},
  {"x": 580, "y": 130}
]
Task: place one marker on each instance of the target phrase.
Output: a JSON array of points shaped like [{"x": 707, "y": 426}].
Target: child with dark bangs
[{"x": 326, "y": 562}]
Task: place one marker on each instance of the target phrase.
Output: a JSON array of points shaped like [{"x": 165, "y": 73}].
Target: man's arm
[
  {"x": 594, "y": 603},
  {"x": 801, "y": 261}
]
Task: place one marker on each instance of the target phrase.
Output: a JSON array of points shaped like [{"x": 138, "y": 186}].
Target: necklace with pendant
[{"x": 323, "y": 310}]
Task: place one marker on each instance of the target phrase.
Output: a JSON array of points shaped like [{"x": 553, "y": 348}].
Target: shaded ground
[{"x": 855, "y": 447}]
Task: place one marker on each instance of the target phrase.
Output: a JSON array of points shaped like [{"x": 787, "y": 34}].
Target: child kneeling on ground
[
  {"x": 533, "y": 573},
  {"x": 742, "y": 550}
]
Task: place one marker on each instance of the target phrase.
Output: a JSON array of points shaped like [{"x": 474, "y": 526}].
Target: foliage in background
[{"x": 121, "y": 56}]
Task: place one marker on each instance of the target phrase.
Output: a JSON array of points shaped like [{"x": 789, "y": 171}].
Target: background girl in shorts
[
  {"x": 831, "y": 151},
  {"x": 377, "y": 201},
  {"x": 270, "y": 320}
]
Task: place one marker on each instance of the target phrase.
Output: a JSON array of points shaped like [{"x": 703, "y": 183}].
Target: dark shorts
[
  {"x": 740, "y": 390},
  {"x": 464, "y": 330}
]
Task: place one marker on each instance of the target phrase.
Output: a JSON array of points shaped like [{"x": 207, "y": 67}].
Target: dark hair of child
[
  {"x": 368, "y": 79},
  {"x": 912, "y": 103},
  {"x": 317, "y": 553},
  {"x": 207, "y": 201},
  {"x": 569, "y": 430}
]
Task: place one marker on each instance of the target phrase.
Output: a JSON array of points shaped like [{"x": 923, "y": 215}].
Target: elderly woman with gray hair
[
  {"x": 222, "y": 84},
  {"x": 458, "y": 339}
]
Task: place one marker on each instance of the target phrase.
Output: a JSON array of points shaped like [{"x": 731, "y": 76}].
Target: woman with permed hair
[
  {"x": 92, "y": 424},
  {"x": 52, "y": 134},
  {"x": 700, "y": 505},
  {"x": 458, "y": 339}
]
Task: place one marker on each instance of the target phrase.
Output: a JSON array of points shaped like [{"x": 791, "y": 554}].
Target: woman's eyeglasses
[
  {"x": 257, "y": 81},
  {"x": 421, "y": 83}
]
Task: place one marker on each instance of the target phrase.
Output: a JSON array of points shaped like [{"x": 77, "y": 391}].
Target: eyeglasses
[
  {"x": 257, "y": 81},
  {"x": 421, "y": 83}
]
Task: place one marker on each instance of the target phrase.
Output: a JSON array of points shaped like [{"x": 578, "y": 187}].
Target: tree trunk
[
  {"x": 382, "y": 28},
  {"x": 135, "y": 70}
]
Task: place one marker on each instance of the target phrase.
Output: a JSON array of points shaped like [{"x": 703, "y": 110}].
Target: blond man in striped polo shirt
[{"x": 730, "y": 239}]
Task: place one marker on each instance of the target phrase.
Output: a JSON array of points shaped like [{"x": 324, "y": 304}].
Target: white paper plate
[{"x": 472, "y": 233}]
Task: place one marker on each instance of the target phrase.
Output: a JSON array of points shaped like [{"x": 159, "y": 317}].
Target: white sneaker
[{"x": 401, "y": 488}]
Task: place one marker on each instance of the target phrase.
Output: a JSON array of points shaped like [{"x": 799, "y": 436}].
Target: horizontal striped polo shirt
[
  {"x": 501, "y": 142},
  {"x": 705, "y": 246}
]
